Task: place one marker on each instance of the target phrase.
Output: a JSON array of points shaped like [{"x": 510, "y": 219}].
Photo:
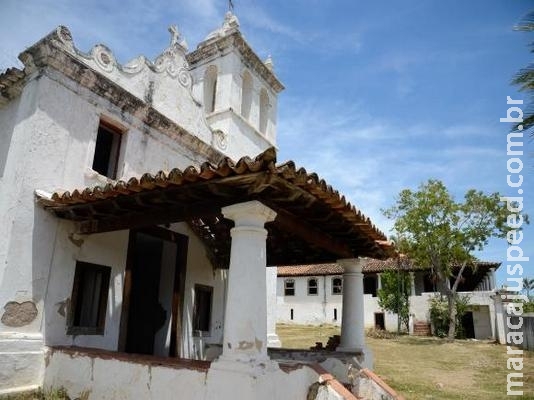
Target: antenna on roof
[{"x": 231, "y": 6}]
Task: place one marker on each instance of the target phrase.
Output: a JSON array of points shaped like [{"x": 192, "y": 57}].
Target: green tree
[
  {"x": 443, "y": 234},
  {"x": 395, "y": 294},
  {"x": 525, "y": 77},
  {"x": 528, "y": 285}
]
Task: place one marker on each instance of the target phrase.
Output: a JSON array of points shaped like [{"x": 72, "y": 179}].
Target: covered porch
[{"x": 247, "y": 215}]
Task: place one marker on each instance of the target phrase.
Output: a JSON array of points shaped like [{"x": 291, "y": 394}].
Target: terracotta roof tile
[
  {"x": 314, "y": 224},
  {"x": 372, "y": 266}
]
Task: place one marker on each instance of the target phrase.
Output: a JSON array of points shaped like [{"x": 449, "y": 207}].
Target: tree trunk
[{"x": 451, "y": 298}]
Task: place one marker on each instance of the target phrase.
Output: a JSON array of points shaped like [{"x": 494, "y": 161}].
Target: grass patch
[
  {"x": 50, "y": 394},
  {"x": 424, "y": 368}
]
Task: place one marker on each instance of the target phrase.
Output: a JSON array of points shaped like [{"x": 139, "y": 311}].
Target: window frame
[
  {"x": 198, "y": 288},
  {"x": 78, "y": 299},
  {"x": 113, "y": 160},
  {"x": 312, "y": 287},
  {"x": 286, "y": 281},
  {"x": 340, "y": 286}
]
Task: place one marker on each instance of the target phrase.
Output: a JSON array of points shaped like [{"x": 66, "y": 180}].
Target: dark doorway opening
[
  {"x": 379, "y": 321},
  {"x": 153, "y": 293},
  {"x": 468, "y": 325}
]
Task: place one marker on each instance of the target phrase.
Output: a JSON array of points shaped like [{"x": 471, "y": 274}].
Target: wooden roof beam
[{"x": 311, "y": 234}]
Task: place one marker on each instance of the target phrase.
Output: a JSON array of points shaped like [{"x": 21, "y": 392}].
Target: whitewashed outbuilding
[
  {"x": 313, "y": 295},
  {"x": 134, "y": 250}
]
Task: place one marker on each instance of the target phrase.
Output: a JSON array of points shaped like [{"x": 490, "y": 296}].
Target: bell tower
[{"x": 238, "y": 90}]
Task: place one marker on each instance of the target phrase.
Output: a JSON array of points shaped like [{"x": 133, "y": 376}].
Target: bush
[
  {"x": 528, "y": 307},
  {"x": 439, "y": 315}
]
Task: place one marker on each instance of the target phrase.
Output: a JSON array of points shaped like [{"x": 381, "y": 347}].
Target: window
[
  {"x": 107, "y": 149},
  {"x": 289, "y": 287},
  {"x": 370, "y": 284},
  {"x": 312, "y": 287},
  {"x": 264, "y": 110},
  {"x": 335, "y": 314},
  {"x": 337, "y": 285},
  {"x": 202, "y": 310},
  {"x": 89, "y": 299},
  {"x": 210, "y": 88},
  {"x": 246, "y": 95}
]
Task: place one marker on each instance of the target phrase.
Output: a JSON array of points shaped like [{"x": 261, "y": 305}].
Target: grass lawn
[{"x": 430, "y": 368}]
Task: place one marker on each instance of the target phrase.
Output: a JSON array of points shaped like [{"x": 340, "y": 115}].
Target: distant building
[{"x": 312, "y": 294}]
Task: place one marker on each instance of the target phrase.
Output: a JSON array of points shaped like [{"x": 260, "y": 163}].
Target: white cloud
[
  {"x": 370, "y": 160},
  {"x": 256, "y": 17}
]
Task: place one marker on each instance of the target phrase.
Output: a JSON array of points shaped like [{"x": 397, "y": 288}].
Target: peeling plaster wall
[
  {"x": 52, "y": 149},
  {"x": 52, "y": 145},
  {"x": 109, "y": 249}
]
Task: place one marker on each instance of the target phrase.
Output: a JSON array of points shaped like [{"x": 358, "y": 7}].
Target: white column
[
  {"x": 272, "y": 338},
  {"x": 378, "y": 282},
  {"x": 500, "y": 316},
  {"x": 352, "y": 321},
  {"x": 245, "y": 325},
  {"x": 493, "y": 279},
  {"x": 412, "y": 283}
]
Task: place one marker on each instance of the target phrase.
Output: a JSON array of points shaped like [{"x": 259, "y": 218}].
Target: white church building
[{"x": 134, "y": 250}]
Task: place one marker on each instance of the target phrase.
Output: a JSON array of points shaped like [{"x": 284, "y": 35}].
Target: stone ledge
[
  {"x": 318, "y": 356},
  {"x": 170, "y": 362}
]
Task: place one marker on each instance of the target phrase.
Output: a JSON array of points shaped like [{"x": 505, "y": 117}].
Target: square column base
[
  {"x": 273, "y": 341},
  {"x": 364, "y": 355}
]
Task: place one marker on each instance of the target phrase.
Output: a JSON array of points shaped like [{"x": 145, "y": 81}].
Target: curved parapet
[{"x": 164, "y": 84}]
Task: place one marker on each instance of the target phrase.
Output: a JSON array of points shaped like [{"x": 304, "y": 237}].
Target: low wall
[
  {"x": 370, "y": 386},
  {"x": 21, "y": 362},
  {"x": 98, "y": 374}
]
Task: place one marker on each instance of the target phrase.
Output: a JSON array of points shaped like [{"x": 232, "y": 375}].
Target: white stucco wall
[
  {"x": 316, "y": 310},
  {"x": 200, "y": 271},
  {"x": 242, "y": 136},
  {"x": 104, "y": 378},
  {"x": 109, "y": 249},
  {"x": 51, "y": 149},
  {"x": 309, "y": 309}
]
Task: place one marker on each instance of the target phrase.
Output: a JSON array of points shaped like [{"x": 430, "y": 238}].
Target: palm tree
[
  {"x": 525, "y": 77},
  {"x": 528, "y": 285}
]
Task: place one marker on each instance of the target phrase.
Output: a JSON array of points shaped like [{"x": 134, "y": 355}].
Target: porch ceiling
[{"x": 314, "y": 223}]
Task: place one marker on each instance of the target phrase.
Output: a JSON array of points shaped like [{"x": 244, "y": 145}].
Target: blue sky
[{"x": 380, "y": 95}]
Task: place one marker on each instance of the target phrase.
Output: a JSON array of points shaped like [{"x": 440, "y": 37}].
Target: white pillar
[
  {"x": 378, "y": 282},
  {"x": 272, "y": 338},
  {"x": 412, "y": 283},
  {"x": 500, "y": 316},
  {"x": 493, "y": 279},
  {"x": 245, "y": 325},
  {"x": 353, "y": 319}
]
